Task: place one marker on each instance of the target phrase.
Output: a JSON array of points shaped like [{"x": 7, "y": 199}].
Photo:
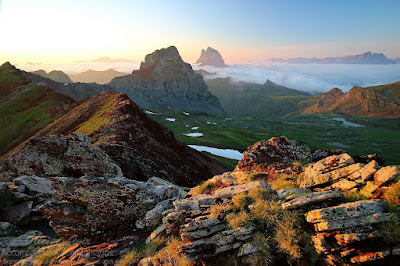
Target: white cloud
[{"x": 311, "y": 77}]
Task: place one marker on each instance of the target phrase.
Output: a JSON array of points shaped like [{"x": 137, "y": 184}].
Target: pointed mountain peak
[{"x": 211, "y": 57}]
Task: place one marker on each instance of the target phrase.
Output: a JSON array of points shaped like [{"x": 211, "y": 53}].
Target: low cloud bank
[
  {"x": 76, "y": 68},
  {"x": 311, "y": 77}
]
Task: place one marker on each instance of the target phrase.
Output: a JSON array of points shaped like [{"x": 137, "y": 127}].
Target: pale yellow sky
[{"x": 49, "y": 31}]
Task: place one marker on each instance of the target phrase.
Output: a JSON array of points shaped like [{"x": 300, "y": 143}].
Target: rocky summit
[
  {"x": 211, "y": 57},
  {"x": 283, "y": 205},
  {"x": 165, "y": 81}
]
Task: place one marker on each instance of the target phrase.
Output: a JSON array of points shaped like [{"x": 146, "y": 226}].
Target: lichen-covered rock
[
  {"x": 98, "y": 208},
  {"x": 233, "y": 190},
  {"x": 386, "y": 175},
  {"x": 345, "y": 211},
  {"x": 328, "y": 164},
  {"x": 265, "y": 152},
  {"x": 59, "y": 155},
  {"x": 311, "y": 198},
  {"x": 311, "y": 179},
  {"x": 35, "y": 185},
  {"x": 17, "y": 247}
]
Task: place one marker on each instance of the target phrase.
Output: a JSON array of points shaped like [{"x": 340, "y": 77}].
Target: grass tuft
[{"x": 393, "y": 195}]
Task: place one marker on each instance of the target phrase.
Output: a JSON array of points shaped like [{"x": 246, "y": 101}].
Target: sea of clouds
[
  {"x": 311, "y": 77},
  {"x": 306, "y": 77}
]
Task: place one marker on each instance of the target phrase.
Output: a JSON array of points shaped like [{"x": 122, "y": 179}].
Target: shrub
[{"x": 393, "y": 195}]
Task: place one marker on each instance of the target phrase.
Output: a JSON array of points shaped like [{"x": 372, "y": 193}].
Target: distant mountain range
[
  {"x": 55, "y": 75},
  {"x": 271, "y": 100},
  {"x": 106, "y": 60},
  {"x": 365, "y": 58},
  {"x": 100, "y": 77},
  {"x": 211, "y": 57},
  {"x": 164, "y": 81}
]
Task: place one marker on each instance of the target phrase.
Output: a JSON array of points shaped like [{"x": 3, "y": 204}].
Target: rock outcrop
[
  {"x": 275, "y": 150},
  {"x": 164, "y": 81},
  {"x": 58, "y": 155},
  {"x": 211, "y": 57},
  {"x": 102, "y": 208}
]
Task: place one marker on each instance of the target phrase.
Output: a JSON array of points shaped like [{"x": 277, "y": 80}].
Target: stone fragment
[
  {"x": 370, "y": 256},
  {"x": 353, "y": 222},
  {"x": 35, "y": 184},
  {"x": 201, "y": 233},
  {"x": 248, "y": 248},
  {"x": 344, "y": 184},
  {"x": 345, "y": 239},
  {"x": 345, "y": 211},
  {"x": 328, "y": 164},
  {"x": 312, "y": 198},
  {"x": 14, "y": 214},
  {"x": 233, "y": 190},
  {"x": 386, "y": 175},
  {"x": 194, "y": 202},
  {"x": 328, "y": 177},
  {"x": 295, "y": 192}
]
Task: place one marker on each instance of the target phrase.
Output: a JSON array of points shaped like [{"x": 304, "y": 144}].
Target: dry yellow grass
[
  {"x": 170, "y": 256},
  {"x": 48, "y": 255},
  {"x": 393, "y": 194}
]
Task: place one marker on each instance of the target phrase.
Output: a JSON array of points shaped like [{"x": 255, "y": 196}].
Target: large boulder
[
  {"x": 59, "y": 155},
  {"x": 275, "y": 150},
  {"x": 98, "y": 208}
]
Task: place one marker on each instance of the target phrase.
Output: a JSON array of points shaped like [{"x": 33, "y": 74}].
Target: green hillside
[{"x": 241, "y": 99}]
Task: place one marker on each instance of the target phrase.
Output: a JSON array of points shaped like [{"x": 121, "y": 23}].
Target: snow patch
[
  {"x": 194, "y": 134},
  {"x": 194, "y": 128},
  {"x": 150, "y": 112},
  {"x": 185, "y": 113},
  {"x": 170, "y": 119}
]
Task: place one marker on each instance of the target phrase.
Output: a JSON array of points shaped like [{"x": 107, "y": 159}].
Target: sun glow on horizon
[{"x": 46, "y": 31}]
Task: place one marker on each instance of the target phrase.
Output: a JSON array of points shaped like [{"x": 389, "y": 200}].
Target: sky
[{"x": 48, "y": 31}]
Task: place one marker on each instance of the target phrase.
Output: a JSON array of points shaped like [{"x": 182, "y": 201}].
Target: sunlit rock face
[{"x": 165, "y": 81}]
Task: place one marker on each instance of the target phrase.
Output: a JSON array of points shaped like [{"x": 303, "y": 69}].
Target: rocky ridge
[
  {"x": 375, "y": 101},
  {"x": 56, "y": 75},
  {"x": 165, "y": 81}
]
